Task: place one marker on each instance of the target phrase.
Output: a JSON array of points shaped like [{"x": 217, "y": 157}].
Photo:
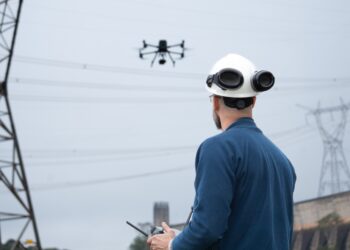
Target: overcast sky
[{"x": 91, "y": 116}]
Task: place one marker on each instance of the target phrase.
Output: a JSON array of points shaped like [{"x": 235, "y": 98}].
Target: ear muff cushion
[{"x": 263, "y": 80}]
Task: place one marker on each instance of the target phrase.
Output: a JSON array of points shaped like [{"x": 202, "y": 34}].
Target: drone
[{"x": 162, "y": 51}]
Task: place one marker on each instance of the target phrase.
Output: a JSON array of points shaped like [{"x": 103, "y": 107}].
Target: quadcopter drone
[{"x": 162, "y": 50}]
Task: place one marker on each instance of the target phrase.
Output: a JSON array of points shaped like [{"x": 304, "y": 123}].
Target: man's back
[
  {"x": 244, "y": 193},
  {"x": 262, "y": 207}
]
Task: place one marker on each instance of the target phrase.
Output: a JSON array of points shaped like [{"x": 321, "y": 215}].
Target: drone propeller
[
  {"x": 144, "y": 44},
  {"x": 187, "y": 48},
  {"x": 182, "y": 45}
]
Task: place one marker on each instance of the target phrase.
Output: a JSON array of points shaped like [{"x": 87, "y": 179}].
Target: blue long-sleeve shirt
[{"x": 244, "y": 193}]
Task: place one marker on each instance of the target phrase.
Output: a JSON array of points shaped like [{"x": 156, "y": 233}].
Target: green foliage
[
  {"x": 9, "y": 245},
  {"x": 330, "y": 220},
  {"x": 139, "y": 243}
]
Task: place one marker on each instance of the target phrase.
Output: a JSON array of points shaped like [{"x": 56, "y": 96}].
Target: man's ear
[
  {"x": 254, "y": 101},
  {"x": 216, "y": 103}
]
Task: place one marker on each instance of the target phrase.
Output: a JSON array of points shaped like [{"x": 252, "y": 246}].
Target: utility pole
[
  {"x": 335, "y": 172},
  {"x": 17, "y": 205}
]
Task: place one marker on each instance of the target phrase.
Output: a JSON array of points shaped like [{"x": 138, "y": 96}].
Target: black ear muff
[
  {"x": 226, "y": 79},
  {"x": 230, "y": 78},
  {"x": 263, "y": 80},
  {"x": 210, "y": 80}
]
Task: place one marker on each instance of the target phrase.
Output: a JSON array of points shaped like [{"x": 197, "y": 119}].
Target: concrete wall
[{"x": 308, "y": 213}]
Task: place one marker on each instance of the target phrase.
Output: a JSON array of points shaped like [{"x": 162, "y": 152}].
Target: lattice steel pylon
[
  {"x": 16, "y": 209},
  {"x": 335, "y": 173}
]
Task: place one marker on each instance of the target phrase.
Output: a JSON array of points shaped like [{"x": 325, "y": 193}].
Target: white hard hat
[{"x": 235, "y": 76}]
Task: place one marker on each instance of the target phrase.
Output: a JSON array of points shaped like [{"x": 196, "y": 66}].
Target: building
[
  {"x": 160, "y": 213},
  {"x": 319, "y": 224},
  {"x": 322, "y": 223}
]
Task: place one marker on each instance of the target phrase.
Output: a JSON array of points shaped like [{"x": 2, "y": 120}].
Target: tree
[
  {"x": 12, "y": 244},
  {"x": 330, "y": 220},
  {"x": 139, "y": 243}
]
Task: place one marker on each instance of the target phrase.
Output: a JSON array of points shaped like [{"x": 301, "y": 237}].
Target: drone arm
[
  {"x": 148, "y": 53},
  {"x": 181, "y": 55},
  {"x": 154, "y": 58},
  {"x": 176, "y": 45},
  {"x": 151, "y": 45},
  {"x": 171, "y": 58},
  {"x": 176, "y": 53}
]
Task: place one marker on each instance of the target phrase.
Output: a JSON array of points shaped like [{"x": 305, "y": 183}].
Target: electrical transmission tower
[
  {"x": 335, "y": 173},
  {"x": 16, "y": 210}
]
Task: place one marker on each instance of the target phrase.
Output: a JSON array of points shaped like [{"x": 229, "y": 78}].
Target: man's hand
[{"x": 161, "y": 241}]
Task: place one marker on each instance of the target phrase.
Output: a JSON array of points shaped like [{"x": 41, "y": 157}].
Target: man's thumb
[{"x": 166, "y": 228}]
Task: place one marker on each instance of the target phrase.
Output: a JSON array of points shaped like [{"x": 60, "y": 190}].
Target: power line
[
  {"x": 294, "y": 135},
  {"x": 91, "y": 157},
  {"x": 288, "y": 132},
  {"x": 85, "y": 162},
  {"x": 105, "y": 68},
  {"x": 61, "y": 153},
  {"x": 65, "y": 185},
  {"x": 123, "y": 100},
  {"x": 320, "y": 83},
  {"x": 88, "y": 161},
  {"x": 157, "y": 73},
  {"x": 127, "y": 151},
  {"x": 75, "y": 184},
  {"x": 295, "y": 139},
  {"x": 88, "y": 157},
  {"x": 103, "y": 85},
  {"x": 105, "y": 100}
]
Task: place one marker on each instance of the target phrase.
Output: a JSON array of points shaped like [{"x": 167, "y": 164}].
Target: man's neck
[{"x": 225, "y": 123}]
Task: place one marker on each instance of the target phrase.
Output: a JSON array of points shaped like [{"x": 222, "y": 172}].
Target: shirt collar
[{"x": 242, "y": 122}]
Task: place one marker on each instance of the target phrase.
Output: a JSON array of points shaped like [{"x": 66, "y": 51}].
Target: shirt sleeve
[{"x": 214, "y": 185}]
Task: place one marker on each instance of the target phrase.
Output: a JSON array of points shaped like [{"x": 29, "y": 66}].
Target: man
[{"x": 244, "y": 184}]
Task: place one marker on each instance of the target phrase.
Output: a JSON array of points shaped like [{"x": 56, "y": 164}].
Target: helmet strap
[{"x": 238, "y": 103}]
